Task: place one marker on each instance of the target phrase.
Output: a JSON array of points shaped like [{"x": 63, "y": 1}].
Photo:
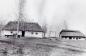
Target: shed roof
[
  {"x": 71, "y": 33},
  {"x": 23, "y": 26}
]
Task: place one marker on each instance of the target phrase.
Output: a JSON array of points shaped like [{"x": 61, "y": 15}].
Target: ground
[{"x": 41, "y": 47}]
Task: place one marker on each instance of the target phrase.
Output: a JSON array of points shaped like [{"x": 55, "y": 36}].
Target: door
[{"x": 23, "y": 33}]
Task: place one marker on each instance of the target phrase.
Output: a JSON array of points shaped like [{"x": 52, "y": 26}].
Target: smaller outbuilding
[{"x": 71, "y": 34}]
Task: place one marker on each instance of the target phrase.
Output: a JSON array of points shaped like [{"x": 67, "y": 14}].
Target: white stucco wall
[
  {"x": 5, "y": 32},
  {"x": 27, "y": 34}
]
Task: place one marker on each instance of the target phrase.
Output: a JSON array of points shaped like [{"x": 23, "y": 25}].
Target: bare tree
[
  {"x": 44, "y": 27},
  {"x": 1, "y": 26},
  {"x": 65, "y": 25},
  {"x": 20, "y": 14},
  {"x": 21, "y": 10}
]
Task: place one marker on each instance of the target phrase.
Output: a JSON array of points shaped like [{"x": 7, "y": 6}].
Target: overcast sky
[{"x": 52, "y": 12}]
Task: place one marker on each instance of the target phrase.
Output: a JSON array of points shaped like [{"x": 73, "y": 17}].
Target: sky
[{"x": 52, "y": 12}]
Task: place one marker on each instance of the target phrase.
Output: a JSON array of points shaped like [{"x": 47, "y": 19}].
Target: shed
[{"x": 71, "y": 34}]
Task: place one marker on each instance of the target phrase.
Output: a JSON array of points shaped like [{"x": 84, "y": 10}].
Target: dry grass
[{"x": 43, "y": 47}]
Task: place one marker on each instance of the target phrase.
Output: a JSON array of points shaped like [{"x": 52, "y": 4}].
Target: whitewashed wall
[
  {"x": 5, "y": 32},
  {"x": 27, "y": 34}
]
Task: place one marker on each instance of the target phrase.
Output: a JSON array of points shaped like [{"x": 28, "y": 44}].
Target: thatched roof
[
  {"x": 23, "y": 26},
  {"x": 71, "y": 33}
]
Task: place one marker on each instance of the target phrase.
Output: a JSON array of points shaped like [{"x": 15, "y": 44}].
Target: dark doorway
[
  {"x": 23, "y": 33},
  {"x": 70, "y": 37}
]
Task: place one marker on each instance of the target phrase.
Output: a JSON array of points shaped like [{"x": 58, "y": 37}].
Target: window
[
  {"x": 36, "y": 33},
  {"x": 32, "y": 33},
  {"x": 11, "y": 32}
]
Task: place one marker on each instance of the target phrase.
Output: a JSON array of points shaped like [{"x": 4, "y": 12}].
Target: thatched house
[
  {"x": 71, "y": 34},
  {"x": 25, "y": 29}
]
